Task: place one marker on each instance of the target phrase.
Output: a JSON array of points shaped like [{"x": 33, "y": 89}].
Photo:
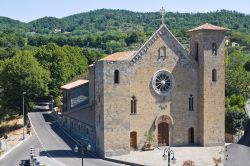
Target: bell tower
[{"x": 207, "y": 48}]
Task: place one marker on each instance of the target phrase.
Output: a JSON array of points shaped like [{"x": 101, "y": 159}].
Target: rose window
[{"x": 162, "y": 82}]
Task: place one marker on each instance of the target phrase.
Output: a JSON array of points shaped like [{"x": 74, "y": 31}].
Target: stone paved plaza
[{"x": 202, "y": 156}]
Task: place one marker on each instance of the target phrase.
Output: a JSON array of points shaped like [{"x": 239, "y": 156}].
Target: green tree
[
  {"x": 22, "y": 73},
  {"x": 92, "y": 55},
  {"x": 237, "y": 100},
  {"x": 237, "y": 81},
  {"x": 237, "y": 78},
  {"x": 235, "y": 118},
  {"x": 63, "y": 63},
  {"x": 134, "y": 37}
]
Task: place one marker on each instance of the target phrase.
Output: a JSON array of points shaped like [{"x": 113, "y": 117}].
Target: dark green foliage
[
  {"x": 237, "y": 81},
  {"x": 63, "y": 63},
  {"x": 134, "y": 37},
  {"x": 237, "y": 78},
  {"x": 237, "y": 90},
  {"x": 235, "y": 119},
  {"x": 242, "y": 38},
  {"x": 12, "y": 25},
  {"x": 247, "y": 66},
  {"x": 10, "y": 39},
  {"x": 236, "y": 100},
  {"x": 18, "y": 74},
  {"x": 45, "y": 25},
  {"x": 117, "y": 30},
  {"x": 92, "y": 55}
]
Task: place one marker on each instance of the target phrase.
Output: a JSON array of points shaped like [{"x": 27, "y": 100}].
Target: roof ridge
[
  {"x": 142, "y": 51},
  {"x": 208, "y": 26},
  {"x": 122, "y": 55}
]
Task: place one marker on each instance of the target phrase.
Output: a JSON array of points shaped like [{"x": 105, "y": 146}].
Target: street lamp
[
  {"x": 51, "y": 102},
  {"x": 23, "y": 114},
  {"x": 76, "y": 149},
  {"x": 168, "y": 155}
]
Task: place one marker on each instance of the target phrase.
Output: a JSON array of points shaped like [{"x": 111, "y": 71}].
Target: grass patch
[{"x": 10, "y": 124}]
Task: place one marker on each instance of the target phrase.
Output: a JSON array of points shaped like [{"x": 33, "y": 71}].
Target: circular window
[{"x": 162, "y": 82}]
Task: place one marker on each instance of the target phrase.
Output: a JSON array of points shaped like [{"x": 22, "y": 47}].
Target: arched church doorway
[
  {"x": 133, "y": 140},
  {"x": 163, "y": 134}
]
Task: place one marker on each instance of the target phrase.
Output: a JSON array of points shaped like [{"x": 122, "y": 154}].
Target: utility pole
[{"x": 23, "y": 115}]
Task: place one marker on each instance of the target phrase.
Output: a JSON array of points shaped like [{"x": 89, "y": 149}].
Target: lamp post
[
  {"x": 76, "y": 149},
  {"x": 51, "y": 102},
  {"x": 23, "y": 114},
  {"x": 167, "y": 154}
]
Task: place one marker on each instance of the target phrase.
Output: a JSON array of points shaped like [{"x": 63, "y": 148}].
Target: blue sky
[{"x": 27, "y": 10}]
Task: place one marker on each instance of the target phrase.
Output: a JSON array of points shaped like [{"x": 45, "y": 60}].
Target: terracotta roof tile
[
  {"x": 208, "y": 26},
  {"x": 74, "y": 84},
  {"x": 119, "y": 56}
]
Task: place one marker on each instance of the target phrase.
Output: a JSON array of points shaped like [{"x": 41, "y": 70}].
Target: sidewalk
[
  {"x": 14, "y": 138},
  {"x": 12, "y": 142},
  {"x": 202, "y": 156}
]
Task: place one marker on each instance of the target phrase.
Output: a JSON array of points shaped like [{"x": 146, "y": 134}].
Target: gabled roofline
[{"x": 142, "y": 51}]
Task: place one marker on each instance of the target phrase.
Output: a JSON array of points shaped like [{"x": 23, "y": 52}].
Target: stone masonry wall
[
  {"x": 212, "y": 115},
  {"x": 175, "y": 105}
]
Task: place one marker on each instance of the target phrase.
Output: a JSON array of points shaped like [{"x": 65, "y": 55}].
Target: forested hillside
[{"x": 112, "y": 30}]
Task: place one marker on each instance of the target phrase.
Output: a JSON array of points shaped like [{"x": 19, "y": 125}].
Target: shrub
[
  {"x": 235, "y": 119},
  {"x": 237, "y": 100}
]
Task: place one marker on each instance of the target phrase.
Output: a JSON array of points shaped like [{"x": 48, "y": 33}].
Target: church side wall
[
  {"x": 99, "y": 108},
  {"x": 116, "y": 109},
  {"x": 91, "y": 85}
]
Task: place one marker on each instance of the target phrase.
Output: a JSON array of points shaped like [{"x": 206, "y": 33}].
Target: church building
[{"x": 162, "y": 89}]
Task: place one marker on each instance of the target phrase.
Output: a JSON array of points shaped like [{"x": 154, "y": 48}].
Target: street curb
[
  {"x": 71, "y": 137},
  {"x": 14, "y": 147},
  {"x": 91, "y": 153}
]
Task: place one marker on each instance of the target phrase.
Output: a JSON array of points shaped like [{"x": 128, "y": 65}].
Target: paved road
[
  {"x": 20, "y": 153},
  {"x": 238, "y": 155},
  {"x": 55, "y": 146}
]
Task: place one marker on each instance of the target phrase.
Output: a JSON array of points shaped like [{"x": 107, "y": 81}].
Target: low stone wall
[
  {"x": 233, "y": 138},
  {"x": 229, "y": 138}
]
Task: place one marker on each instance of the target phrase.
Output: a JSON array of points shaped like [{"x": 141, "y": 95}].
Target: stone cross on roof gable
[{"x": 162, "y": 13}]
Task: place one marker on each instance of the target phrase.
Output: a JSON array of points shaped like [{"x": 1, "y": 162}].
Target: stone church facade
[{"x": 161, "y": 89}]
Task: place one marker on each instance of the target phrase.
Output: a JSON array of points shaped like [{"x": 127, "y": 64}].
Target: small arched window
[
  {"x": 197, "y": 52},
  {"x": 214, "y": 49},
  {"x": 133, "y": 105},
  {"x": 191, "y": 103},
  {"x": 116, "y": 77},
  {"x": 214, "y": 75},
  {"x": 87, "y": 130},
  {"x": 162, "y": 53},
  {"x": 191, "y": 135}
]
